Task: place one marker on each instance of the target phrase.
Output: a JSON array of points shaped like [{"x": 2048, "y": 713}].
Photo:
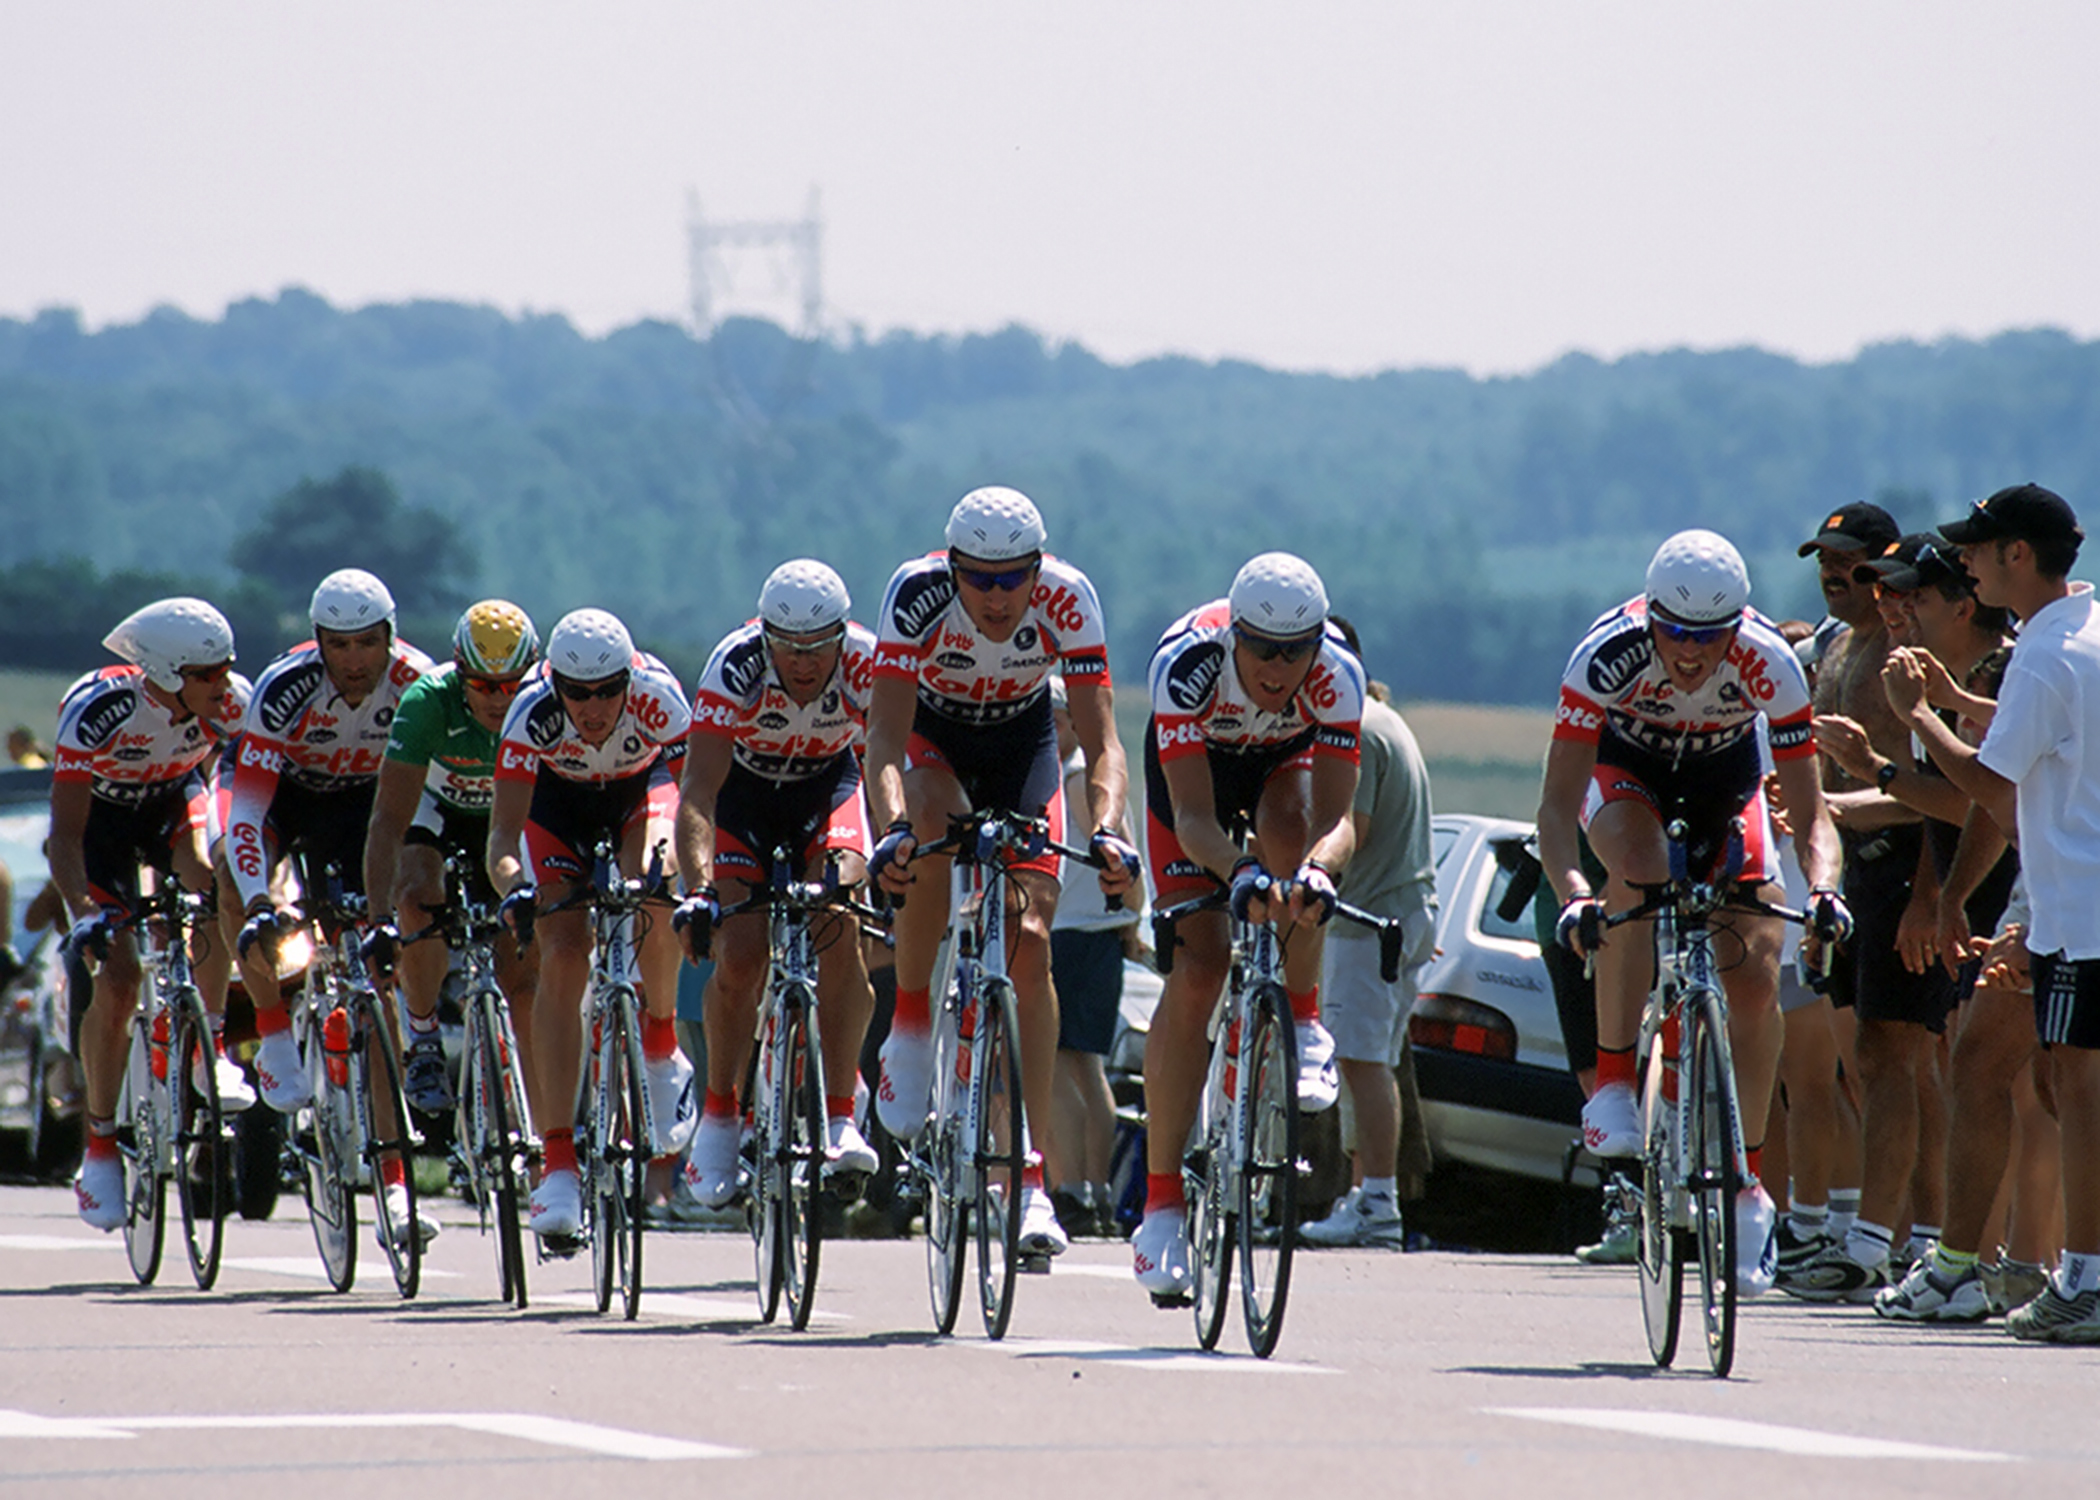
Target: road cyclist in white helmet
[
  {"x": 590, "y": 750},
  {"x": 436, "y": 787},
  {"x": 960, "y": 721},
  {"x": 128, "y": 791},
  {"x": 303, "y": 777},
  {"x": 772, "y": 763},
  {"x": 1658, "y": 719},
  {"x": 1256, "y": 708}
]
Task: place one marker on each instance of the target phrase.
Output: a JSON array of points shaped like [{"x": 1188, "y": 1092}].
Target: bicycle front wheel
[
  {"x": 484, "y": 1136},
  {"x": 1268, "y": 1177},
  {"x": 139, "y": 1143},
  {"x": 1206, "y": 1174},
  {"x": 1715, "y": 1182},
  {"x": 1659, "y": 1253},
  {"x": 997, "y": 1153},
  {"x": 382, "y": 1110},
  {"x": 203, "y": 1154},
  {"x": 763, "y": 1083},
  {"x": 799, "y": 1171},
  {"x": 620, "y": 1161},
  {"x": 328, "y": 1148},
  {"x": 941, "y": 1164}
]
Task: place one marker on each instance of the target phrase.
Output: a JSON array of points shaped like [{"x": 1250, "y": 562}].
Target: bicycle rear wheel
[
  {"x": 139, "y": 1144},
  {"x": 1268, "y": 1181},
  {"x": 485, "y": 1136},
  {"x": 941, "y": 1163},
  {"x": 1205, "y": 1174},
  {"x": 1659, "y": 1252},
  {"x": 383, "y": 1128},
  {"x": 202, "y": 1154},
  {"x": 1714, "y": 1178},
  {"x": 800, "y": 1168},
  {"x": 620, "y": 1161},
  {"x": 328, "y": 1149},
  {"x": 997, "y": 1152},
  {"x": 764, "y": 1084}
]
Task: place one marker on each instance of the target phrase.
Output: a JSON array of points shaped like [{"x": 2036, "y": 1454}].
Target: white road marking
[
  {"x": 59, "y": 1242},
  {"x": 558, "y": 1432},
  {"x": 306, "y": 1267},
  {"x": 1173, "y": 1361},
  {"x": 1066, "y": 1268},
  {"x": 1730, "y": 1433}
]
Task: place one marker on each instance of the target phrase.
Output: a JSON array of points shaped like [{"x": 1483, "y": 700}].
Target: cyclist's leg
[
  {"x": 845, "y": 1004},
  {"x": 211, "y": 961},
  {"x": 104, "y": 1043},
  {"x": 932, "y": 795},
  {"x": 419, "y": 884},
  {"x": 1283, "y": 833},
  {"x": 729, "y": 1016},
  {"x": 672, "y": 1106}
]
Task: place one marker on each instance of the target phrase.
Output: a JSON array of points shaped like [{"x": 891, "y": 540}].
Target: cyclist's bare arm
[
  {"x": 70, "y": 801},
  {"x": 394, "y": 803},
  {"x": 707, "y": 761},
  {"x": 1093, "y": 708},
  {"x": 1196, "y": 823},
  {"x": 1954, "y": 756},
  {"x": 892, "y": 702},
  {"x": 1569, "y": 766},
  {"x": 507, "y": 814}
]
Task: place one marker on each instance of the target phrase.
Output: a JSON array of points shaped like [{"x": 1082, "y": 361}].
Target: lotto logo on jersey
[
  {"x": 715, "y": 714},
  {"x": 1060, "y": 607},
  {"x": 1179, "y": 734},
  {"x": 515, "y": 759},
  {"x": 260, "y": 757},
  {"x": 1576, "y": 715},
  {"x": 654, "y": 718},
  {"x": 247, "y": 851},
  {"x": 1319, "y": 689},
  {"x": 1750, "y": 667}
]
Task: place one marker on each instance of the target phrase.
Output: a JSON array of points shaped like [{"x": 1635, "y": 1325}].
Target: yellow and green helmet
[{"x": 495, "y": 638}]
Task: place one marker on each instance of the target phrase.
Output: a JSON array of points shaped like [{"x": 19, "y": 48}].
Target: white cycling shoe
[
  {"x": 1611, "y": 1122},
  {"x": 672, "y": 1110},
  {"x": 907, "y": 1082},
  {"x": 557, "y": 1206},
  {"x": 847, "y": 1151},
  {"x": 714, "y": 1173},
  {"x": 1041, "y": 1234},
  {"x": 1159, "y": 1253},
  {"x": 1756, "y": 1241},
  {"x": 98, "y": 1191},
  {"x": 234, "y": 1093},
  {"x": 280, "y": 1073},
  {"x": 1319, "y": 1081},
  {"x": 426, "y": 1228}
]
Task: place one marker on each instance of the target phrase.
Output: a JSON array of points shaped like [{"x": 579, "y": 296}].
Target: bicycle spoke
[
  {"x": 201, "y": 1153},
  {"x": 998, "y": 1151},
  {"x": 1267, "y": 1205}
]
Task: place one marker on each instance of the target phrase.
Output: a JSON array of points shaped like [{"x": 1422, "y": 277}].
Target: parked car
[
  {"x": 1489, "y": 1058},
  {"x": 40, "y": 1095}
]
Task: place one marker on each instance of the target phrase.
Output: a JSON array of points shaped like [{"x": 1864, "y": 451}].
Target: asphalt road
[{"x": 1433, "y": 1373}]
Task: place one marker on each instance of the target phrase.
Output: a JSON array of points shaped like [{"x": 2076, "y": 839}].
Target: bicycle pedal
[
  {"x": 1032, "y": 1265},
  {"x": 562, "y": 1246},
  {"x": 846, "y": 1187},
  {"x": 1172, "y": 1301}
]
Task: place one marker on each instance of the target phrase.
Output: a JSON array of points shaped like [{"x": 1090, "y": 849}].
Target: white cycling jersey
[
  {"x": 126, "y": 745},
  {"x": 1198, "y": 699},
  {"x": 538, "y": 734},
  {"x": 740, "y": 697}
]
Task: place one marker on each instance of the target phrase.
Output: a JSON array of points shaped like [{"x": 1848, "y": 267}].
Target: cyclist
[
  {"x": 128, "y": 790},
  {"x": 959, "y": 719},
  {"x": 302, "y": 780},
  {"x": 1256, "y": 708},
  {"x": 1658, "y": 718},
  {"x": 773, "y": 763},
  {"x": 590, "y": 750},
  {"x": 433, "y": 799}
]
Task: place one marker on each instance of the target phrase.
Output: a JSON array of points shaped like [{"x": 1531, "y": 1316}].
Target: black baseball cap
[
  {"x": 2023, "y": 511},
  {"x": 1862, "y": 527},
  {"x": 1912, "y": 562}
]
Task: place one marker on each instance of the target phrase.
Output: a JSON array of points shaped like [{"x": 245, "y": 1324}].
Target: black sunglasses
[
  {"x": 984, "y": 581},
  {"x": 1268, "y": 648},
  {"x": 577, "y": 692}
]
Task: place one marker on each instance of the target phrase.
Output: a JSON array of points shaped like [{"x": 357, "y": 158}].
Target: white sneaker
[
  {"x": 557, "y": 1206},
  {"x": 1358, "y": 1223},
  {"x": 714, "y": 1172},
  {"x": 397, "y": 1213},
  {"x": 1159, "y": 1253},
  {"x": 672, "y": 1111},
  {"x": 234, "y": 1093},
  {"x": 98, "y": 1189},
  {"x": 1756, "y": 1241},
  {"x": 1319, "y": 1083},
  {"x": 847, "y": 1150},
  {"x": 1041, "y": 1234},
  {"x": 281, "y": 1074},
  {"x": 1611, "y": 1122},
  {"x": 907, "y": 1078}
]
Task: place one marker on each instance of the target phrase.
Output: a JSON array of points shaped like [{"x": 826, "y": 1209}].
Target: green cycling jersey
[{"x": 433, "y": 728}]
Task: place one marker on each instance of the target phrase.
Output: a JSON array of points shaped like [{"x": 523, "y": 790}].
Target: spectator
[
  {"x": 24, "y": 749},
  {"x": 1391, "y": 874}
]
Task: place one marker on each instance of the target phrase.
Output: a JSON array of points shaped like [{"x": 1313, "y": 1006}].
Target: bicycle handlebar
[{"x": 1392, "y": 937}]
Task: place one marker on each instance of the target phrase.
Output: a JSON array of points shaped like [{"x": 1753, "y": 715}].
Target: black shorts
[
  {"x": 1237, "y": 778},
  {"x": 755, "y": 817},
  {"x": 324, "y": 829},
  {"x": 1709, "y": 793},
  {"x": 1879, "y": 871},
  {"x": 452, "y": 830},
  {"x": 121, "y": 836},
  {"x": 2066, "y": 1000},
  {"x": 568, "y": 818},
  {"x": 1010, "y": 766},
  {"x": 1087, "y": 968}
]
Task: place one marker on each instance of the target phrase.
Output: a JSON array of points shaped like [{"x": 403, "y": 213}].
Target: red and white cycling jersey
[
  {"x": 300, "y": 729},
  {"x": 926, "y": 635},
  {"x": 538, "y": 733},
  {"x": 1198, "y": 699},
  {"x": 740, "y": 698},
  {"x": 114, "y": 736},
  {"x": 1614, "y": 678}
]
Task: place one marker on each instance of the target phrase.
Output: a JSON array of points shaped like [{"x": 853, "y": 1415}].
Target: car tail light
[{"x": 1454, "y": 1024}]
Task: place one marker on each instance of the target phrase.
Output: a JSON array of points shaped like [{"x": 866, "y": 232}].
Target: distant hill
[{"x": 1471, "y": 527}]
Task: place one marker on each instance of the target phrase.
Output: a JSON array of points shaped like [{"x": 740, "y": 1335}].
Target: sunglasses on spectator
[
  {"x": 583, "y": 692},
  {"x": 217, "y": 673},
  {"x": 985, "y": 581},
  {"x": 1268, "y": 648},
  {"x": 805, "y": 645},
  {"x": 499, "y": 687}
]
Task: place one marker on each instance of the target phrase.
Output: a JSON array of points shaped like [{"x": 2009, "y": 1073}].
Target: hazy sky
[{"x": 1344, "y": 186}]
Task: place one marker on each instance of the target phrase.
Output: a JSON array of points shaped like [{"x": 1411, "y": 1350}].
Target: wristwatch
[{"x": 1886, "y": 776}]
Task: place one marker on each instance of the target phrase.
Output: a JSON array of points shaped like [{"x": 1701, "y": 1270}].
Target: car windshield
[
  {"x": 1445, "y": 840},
  {"x": 1491, "y": 922}
]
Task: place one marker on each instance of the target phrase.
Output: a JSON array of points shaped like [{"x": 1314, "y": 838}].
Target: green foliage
[
  {"x": 54, "y": 612},
  {"x": 1470, "y": 527}
]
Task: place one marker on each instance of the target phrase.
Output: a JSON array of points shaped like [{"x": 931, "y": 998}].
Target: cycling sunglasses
[
  {"x": 805, "y": 646},
  {"x": 499, "y": 687},
  {"x": 1268, "y": 648},
  {"x": 1691, "y": 635},
  {"x": 985, "y": 581},
  {"x": 578, "y": 692}
]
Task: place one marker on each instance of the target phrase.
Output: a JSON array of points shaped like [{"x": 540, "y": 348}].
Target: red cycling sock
[
  {"x": 659, "y": 1037},
  {"x": 1614, "y": 1065},
  {"x": 560, "y": 1151},
  {"x": 1164, "y": 1190},
  {"x": 1032, "y": 1174},
  {"x": 101, "y": 1142},
  {"x": 1305, "y": 1007},
  {"x": 390, "y": 1171},
  {"x": 718, "y": 1106},
  {"x": 838, "y": 1106},
  {"x": 914, "y": 1010},
  {"x": 271, "y": 1019},
  {"x": 1756, "y": 1154}
]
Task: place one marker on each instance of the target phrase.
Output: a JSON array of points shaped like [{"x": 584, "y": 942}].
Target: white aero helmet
[
  {"x": 350, "y": 600},
  {"x": 1698, "y": 577},
  {"x": 995, "y": 524},
  {"x": 803, "y": 597},
  {"x": 587, "y": 645},
  {"x": 169, "y": 635},
  {"x": 1278, "y": 594}
]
